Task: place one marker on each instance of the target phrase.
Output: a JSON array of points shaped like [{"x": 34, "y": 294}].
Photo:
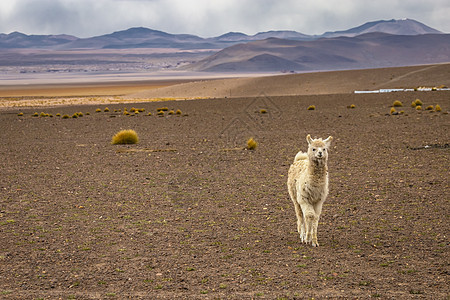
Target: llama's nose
[{"x": 320, "y": 153}]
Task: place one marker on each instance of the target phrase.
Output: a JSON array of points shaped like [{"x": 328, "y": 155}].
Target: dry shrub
[
  {"x": 125, "y": 137},
  {"x": 438, "y": 108},
  {"x": 429, "y": 107},
  {"x": 397, "y": 103},
  {"x": 251, "y": 144},
  {"x": 413, "y": 104},
  {"x": 418, "y": 107},
  {"x": 311, "y": 107},
  {"x": 178, "y": 112},
  {"x": 418, "y": 102}
]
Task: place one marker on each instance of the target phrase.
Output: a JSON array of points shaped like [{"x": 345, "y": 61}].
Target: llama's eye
[{"x": 314, "y": 149}]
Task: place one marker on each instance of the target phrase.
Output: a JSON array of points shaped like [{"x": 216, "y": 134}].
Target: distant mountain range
[
  {"x": 373, "y": 44},
  {"x": 140, "y": 37}
]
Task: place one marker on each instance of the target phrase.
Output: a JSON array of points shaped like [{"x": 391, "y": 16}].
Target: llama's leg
[
  {"x": 300, "y": 223},
  {"x": 314, "y": 231},
  {"x": 318, "y": 211},
  {"x": 309, "y": 216},
  {"x": 298, "y": 211}
]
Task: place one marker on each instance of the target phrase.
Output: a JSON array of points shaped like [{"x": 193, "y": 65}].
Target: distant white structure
[{"x": 420, "y": 89}]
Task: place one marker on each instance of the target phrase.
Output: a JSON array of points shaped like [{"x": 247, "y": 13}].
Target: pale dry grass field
[{"x": 320, "y": 83}]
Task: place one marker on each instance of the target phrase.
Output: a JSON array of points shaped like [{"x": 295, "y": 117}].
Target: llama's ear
[
  {"x": 328, "y": 140},
  {"x": 309, "y": 139}
]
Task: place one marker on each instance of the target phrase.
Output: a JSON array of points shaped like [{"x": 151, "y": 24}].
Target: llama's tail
[{"x": 300, "y": 156}]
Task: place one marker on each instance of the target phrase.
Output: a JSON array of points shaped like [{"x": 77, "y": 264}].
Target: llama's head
[{"x": 318, "y": 149}]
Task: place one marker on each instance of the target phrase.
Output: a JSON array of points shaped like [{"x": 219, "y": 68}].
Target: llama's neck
[{"x": 318, "y": 169}]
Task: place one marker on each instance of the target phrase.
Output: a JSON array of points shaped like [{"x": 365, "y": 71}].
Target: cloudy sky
[{"x": 206, "y": 18}]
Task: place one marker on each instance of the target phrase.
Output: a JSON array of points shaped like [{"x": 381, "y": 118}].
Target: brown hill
[
  {"x": 402, "y": 27},
  {"x": 334, "y": 82},
  {"x": 372, "y": 50}
]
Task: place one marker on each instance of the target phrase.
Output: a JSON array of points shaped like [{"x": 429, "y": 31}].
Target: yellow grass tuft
[
  {"x": 125, "y": 137},
  {"x": 106, "y": 109},
  {"x": 178, "y": 112},
  {"x": 171, "y": 112},
  {"x": 263, "y": 111},
  {"x": 311, "y": 107},
  {"x": 65, "y": 117},
  {"x": 393, "y": 111},
  {"x": 418, "y": 102},
  {"x": 20, "y": 114},
  {"x": 418, "y": 107},
  {"x": 251, "y": 144},
  {"x": 438, "y": 108},
  {"x": 413, "y": 104},
  {"x": 429, "y": 107},
  {"x": 397, "y": 103},
  {"x": 98, "y": 110}
]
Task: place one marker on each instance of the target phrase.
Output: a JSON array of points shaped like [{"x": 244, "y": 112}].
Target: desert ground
[{"x": 189, "y": 213}]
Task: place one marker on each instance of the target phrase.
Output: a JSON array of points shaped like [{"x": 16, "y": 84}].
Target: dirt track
[{"x": 183, "y": 214}]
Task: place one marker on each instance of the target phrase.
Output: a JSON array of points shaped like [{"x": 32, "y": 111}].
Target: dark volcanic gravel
[{"x": 187, "y": 213}]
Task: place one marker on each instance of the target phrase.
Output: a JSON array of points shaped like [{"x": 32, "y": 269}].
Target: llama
[{"x": 308, "y": 187}]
